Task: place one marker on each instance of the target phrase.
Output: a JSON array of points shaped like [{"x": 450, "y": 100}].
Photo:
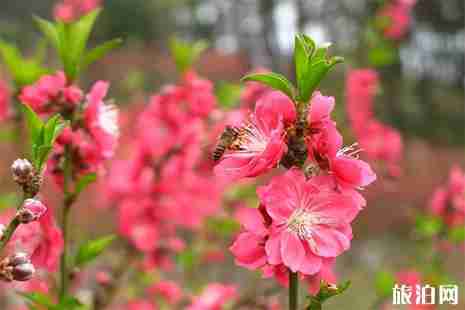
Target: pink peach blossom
[
  {"x": 261, "y": 142},
  {"x": 308, "y": 224}
]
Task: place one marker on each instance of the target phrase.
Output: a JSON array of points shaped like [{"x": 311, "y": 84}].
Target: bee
[{"x": 227, "y": 139}]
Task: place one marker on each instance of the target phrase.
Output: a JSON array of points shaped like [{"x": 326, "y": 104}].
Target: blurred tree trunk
[{"x": 269, "y": 33}]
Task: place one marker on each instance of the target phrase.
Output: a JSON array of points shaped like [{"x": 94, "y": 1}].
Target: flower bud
[
  {"x": 17, "y": 267},
  {"x": 22, "y": 170},
  {"x": 17, "y": 259},
  {"x": 23, "y": 272},
  {"x": 30, "y": 211}
]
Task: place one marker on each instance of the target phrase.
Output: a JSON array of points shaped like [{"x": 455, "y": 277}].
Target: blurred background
[{"x": 422, "y": 94}]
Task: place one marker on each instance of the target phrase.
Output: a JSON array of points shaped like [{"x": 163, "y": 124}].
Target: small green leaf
[
  {"x": 273, "y": 80},
  {"x": 185, "y": 54},
  {"x": 38, "y": 299},
  {"x": 384, "y": 283},
  {"x": 188, "y": 258},
  {"x": 92, "y": 249},
  {"x": 457, "y": 234},
  {"x": 85, "y": 181},
  {"x": 100, "y": 51},
  {"x": 326, "y": 292},
  {"x": 34, "y": 123},
  {"x": 428, "y": 226}
]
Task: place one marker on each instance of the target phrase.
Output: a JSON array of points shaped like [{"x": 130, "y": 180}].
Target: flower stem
[
  {"x": 293, "y": 290},
  {"x": 12, "y": 226},
  {"x": 8, "y": 233},
  {"x": 68, "y": 201}
]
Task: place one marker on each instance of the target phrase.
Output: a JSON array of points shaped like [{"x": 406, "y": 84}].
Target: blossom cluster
[
  {"x": 92, "y": 138},
  {"x": 304, "y": 218},
  {"x": 167, "y": 184},
  {"x": 70, "y": 10},
  {"x": 397, "y": 16},
  {"x": 448, "y": 201},
  {"x": 378, "y": 140}
]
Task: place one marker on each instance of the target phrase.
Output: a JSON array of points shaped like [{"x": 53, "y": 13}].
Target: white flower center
[
  {"x": 301, "y": 222},
  {"x": 251, "y": 140}
]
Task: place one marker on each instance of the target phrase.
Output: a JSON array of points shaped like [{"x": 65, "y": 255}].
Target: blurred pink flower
[
  {"x": 378, "y": 141},
  {"x": 139, "y": 304},
  {"x": 398, "y": 18},
  {"x": 261, "y": 141},
  {"x": 5, "y": 101},
  {"x": 448, "y": 201},
  {"x": 101, "y": 119},
  {"x": 70, "y": 10},
  {"x": 168, "y": 290},
  {"x": 213, "y": 297}
]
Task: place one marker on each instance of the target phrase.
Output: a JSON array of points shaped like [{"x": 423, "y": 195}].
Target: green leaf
[
  {"x": 185, "y": 54},
  {"x": 197, "y": 49},
  {"x": 384, "y": 283},
  {"x": 85, "y": 181},
  {"x": 79, "y": 33},
  {"x": 41, "y": 156},
  {"x": 383, "y": 55},
  {"x": 228, "y": 94},
  {"x": 302, "y": 63},
  {"x": 326, "y": 292},
  {"x": 309, "y": 44},
  {"x": 223, "y": 226},
  {"x": 38, "y": 299},
  {"x": 34, "y": 123},
  {"x": 23, "y": 71},
  {"x": 49, "y": 30},
  {"x": 69, "y": 303},
  {"x": 100, "y": 51},
  {"x": 457, "y": 234},
  {"x": 92, "y": 249},
  {"x": 273, "y": 80},
  {"x": 187, "y": 259},
  {"x": 428, "y": 226},
  {"x": 317, "y": 72}
]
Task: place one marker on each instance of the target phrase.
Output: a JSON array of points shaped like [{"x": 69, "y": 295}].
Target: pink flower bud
[
  {"x": 23, "y": 272},
  {"x": 22, "y": 171},
  {"x": 31, "y": 210},
  {"x": 17, "y": 267},
  {"x": 17, "y": 259}
]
